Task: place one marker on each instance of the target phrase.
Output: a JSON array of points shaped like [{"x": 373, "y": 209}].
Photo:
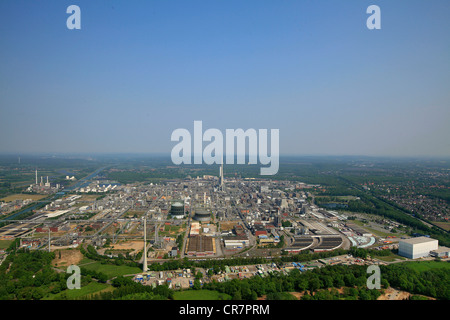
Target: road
[{"x": 110, "y": 221}]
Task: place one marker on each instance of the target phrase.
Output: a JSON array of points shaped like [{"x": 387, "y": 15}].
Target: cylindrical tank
[
  {"x": 201, "y": 214},
  {"x": 177, "y": 209}
]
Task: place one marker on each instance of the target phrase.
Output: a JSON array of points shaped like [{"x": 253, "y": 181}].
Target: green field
[
  {"x": 427, "y": 265},
  {"x": 383, "y": 234},
  {"x": 20, "y": 196},
  {"x": 92, "y": 287},
  {"x": 111, "y": 270},
  {"x": 200, "y": 295},
  {"x": 4, "y": 244},
  {"x": 390, "y": 258},
  {"x": 443, "y": 225}
]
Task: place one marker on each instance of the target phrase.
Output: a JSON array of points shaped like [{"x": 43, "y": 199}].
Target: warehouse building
[
  {"x": 417, "y": 247},
  {"x": 234, "y": 242},
  {"x": 442, "y": 252},
  {"x": 199, "y": 245}
]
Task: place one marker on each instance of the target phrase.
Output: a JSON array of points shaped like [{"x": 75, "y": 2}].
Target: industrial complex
[{"x": 205, "y": 217}]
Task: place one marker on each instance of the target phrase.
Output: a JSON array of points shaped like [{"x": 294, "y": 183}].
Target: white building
[
  {"x": 442, "y": 252},
  {"x": 236, "y": 242},
  {"x": 417, "y": 247}
]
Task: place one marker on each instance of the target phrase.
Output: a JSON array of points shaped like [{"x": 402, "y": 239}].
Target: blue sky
[{"x": 137, "y": 70}]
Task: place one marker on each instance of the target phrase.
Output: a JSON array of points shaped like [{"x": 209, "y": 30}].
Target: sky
[{"x": 138, "y": 70}]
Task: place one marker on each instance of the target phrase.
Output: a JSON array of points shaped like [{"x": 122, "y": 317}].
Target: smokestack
[
  {"x": 49, "y": 239},
  {"x": 145, "y": 268},
  {"x": 221, "y": 177},
  {"x": 36, "y": 178}
]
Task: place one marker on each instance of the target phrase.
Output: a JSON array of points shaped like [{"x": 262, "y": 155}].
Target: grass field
[
  {"x": 390, "y": 258},
  {"x": 443, "y": 225},
  {"x": 21, "y": 196},
  {"x": 4, "y": 244},
  {"x": 110, "y": 270},
  {"x": 383, "y": 234},
  {"x": 200, "y": 295},
  {"x": 91, "y": 288},
  {"x": 171, "y": 229},
  {"x": 427, "y": 265}
]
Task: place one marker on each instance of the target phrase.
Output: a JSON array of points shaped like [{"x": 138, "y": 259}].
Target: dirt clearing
[{"x": 68, "y": 257}]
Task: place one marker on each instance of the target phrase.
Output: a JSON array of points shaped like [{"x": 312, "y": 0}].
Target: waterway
[{"x": 79, "y": 184}]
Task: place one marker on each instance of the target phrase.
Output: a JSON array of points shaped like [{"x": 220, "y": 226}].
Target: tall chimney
[{"x": 145, "y": 268}]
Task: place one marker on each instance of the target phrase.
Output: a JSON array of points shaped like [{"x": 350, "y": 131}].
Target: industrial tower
[
  {"x": 221, "y": 185},
  {"x": 145, "y": 268}
]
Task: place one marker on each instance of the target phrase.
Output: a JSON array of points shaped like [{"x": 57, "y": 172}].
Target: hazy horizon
[{"x": 167, "y": 155}]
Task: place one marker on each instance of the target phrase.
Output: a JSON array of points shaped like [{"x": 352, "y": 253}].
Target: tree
[
  {"x": 314, "y": 284},
  {"x": 37, "y": 293},
  {"x": 197, "y": 285},
  {"x": 237, "y": 295}
]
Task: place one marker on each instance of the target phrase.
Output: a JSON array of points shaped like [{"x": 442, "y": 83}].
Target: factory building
[
  {"x": 199, "y": 245},
  {"x": 417, "y": 247},
  {"x": 234, "y": 242},
  {"x": 442, "y": 252}
]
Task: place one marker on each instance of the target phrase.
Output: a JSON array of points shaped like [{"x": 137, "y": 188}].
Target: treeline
[
  {"x": 100, "y": 276},
  {"x": 14, "y": 245},
  {"x": 327, "y": 199},
  {"x": 372, "y": 205},
  {"x": 443, "y": 194},
  {"x": 351, "y": 280},
  {"x": 127, "y": 289},
  {"x": 219, "y": 265},
  {"x": 375, "y": 206},
  {"x": 92, "y": 254},
  {"x": 434, "y": 282},
  {"x": 180, "y": 240},
  {"x": 313, "y": 282},
  {"x": 28, "y": 275},
  {"x": 363, "y": 253},
  {"x": 215, "y": 264},
  {"x": 438, "y": 233}
]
